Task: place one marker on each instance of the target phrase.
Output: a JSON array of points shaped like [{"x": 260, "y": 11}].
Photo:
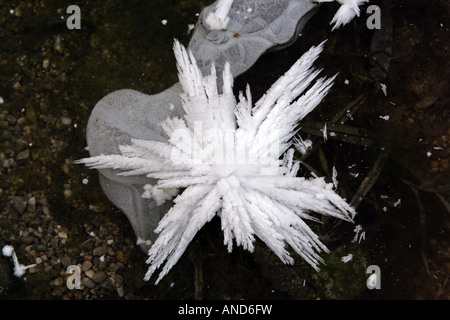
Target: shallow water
[{"x": 51, "y": 78}]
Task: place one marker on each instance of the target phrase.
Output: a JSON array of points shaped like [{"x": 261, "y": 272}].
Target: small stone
[
  {"x": 23, "y": 155},
  {"x": 103, "y": 231},
  {"x": 31, "y": 204},
  {"x": 7, "y": 163},
  {"x": 17, "y": 85},
  {"x": 28, "y": 239},
  {"x": 120, "y": 292},
  {"x": 87, "y": 283},
  {"x": 90, "y": 274},
  {"x": 20, "y": 204},
  {"x": 45, "y": 63},
  {"x": 114, "y": 267},
  {"x": 58, "y": 282},
  {"x": 66, "y": 261},
  {"x": 62, "y": 235},
  {"x": 99, "y": 277},
  {"x": 68, "y": 193},
  {"x": 110, "y": 251},
  {"x": 86, "y": 265},
  {"x": 65, "y": 120},
  {"x": 100, "y": 251},
  {"x": 118, "y": 279}
]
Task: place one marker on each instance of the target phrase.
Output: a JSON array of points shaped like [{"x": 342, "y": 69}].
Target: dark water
[{"x": 125, "y": 45}]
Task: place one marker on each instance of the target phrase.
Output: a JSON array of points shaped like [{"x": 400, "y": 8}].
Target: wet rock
[
  {"x": 23, "y": 155},
  {"x": 7, "y": 163},
  {"x": 90, "y": 274},
  {"x": 100, "y": 251},
  {"x": 20, "y": 204},
  {"x": 66, "y": 261},
  {"x": 28, "y": 239},
  {"x": 31, "y": 205},
  {"x": 66, "y": 121},
  {"x": 103, "y": 231},
  {"x": 86, "y": 265},
  {"x": 99, "y": 277},
  {"x": 87, "y": 283},
  {"x": 58, "y": 282}
]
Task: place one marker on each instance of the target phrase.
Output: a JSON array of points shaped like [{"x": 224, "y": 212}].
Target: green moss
[{"x": 339, "y": 280}]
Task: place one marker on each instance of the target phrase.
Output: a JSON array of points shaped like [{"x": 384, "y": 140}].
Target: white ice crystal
[
  {"x": 7, "y": 250},
  {"x": 219, "y": 19},
  {"x": 348, "y": 10},
  {"x": 303, "y": 146},
  {"x": 19, "y": 269},
  {"x": 224, "y": 160}
]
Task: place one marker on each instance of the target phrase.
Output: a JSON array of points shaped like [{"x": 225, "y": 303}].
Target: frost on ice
[
  {"x": 348, "y": 10},
  {"x": 223, "y": 160}
]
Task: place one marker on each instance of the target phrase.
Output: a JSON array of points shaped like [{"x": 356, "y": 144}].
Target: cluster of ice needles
[{"x": 223, "y": 160}]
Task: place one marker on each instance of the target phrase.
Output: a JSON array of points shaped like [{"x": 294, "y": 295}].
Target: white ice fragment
[
  {"x": 19, "y": 269},
  {"x": 383, "y": 88},
  {"x": 219, "y": 19},
  {"x": 303, "y": 146},
  {"x": 160, "y": 195},
  {"x": 102, "y": 258},
  {"x": 438, "y": 148},
  {"x": 249, "y": 10},
  {"x": 357, "y": 230},
  {"x": 7, "y": 250},
  {"x": 385, "y": 118},
  {"x": 1, "y": 100},
  {"x": 346, "y": 81},
  {"x": 92, "y": 234},
  {"x": 347, "y": 258},
  {"x": 140, "y": 241},
  {"x": 164, "y": 22},
  {"x": 191, "y": 27},
  {"x": 362, "y": 236},
  {"x": 397, "y": 203},
  {"x": 347, "y": 11},
  {"x": 324, "y": 131},
  {"x": 334, "y": 177},
  {"x": 429, "y": 154},
  {"x": 85, "y": 181}
]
